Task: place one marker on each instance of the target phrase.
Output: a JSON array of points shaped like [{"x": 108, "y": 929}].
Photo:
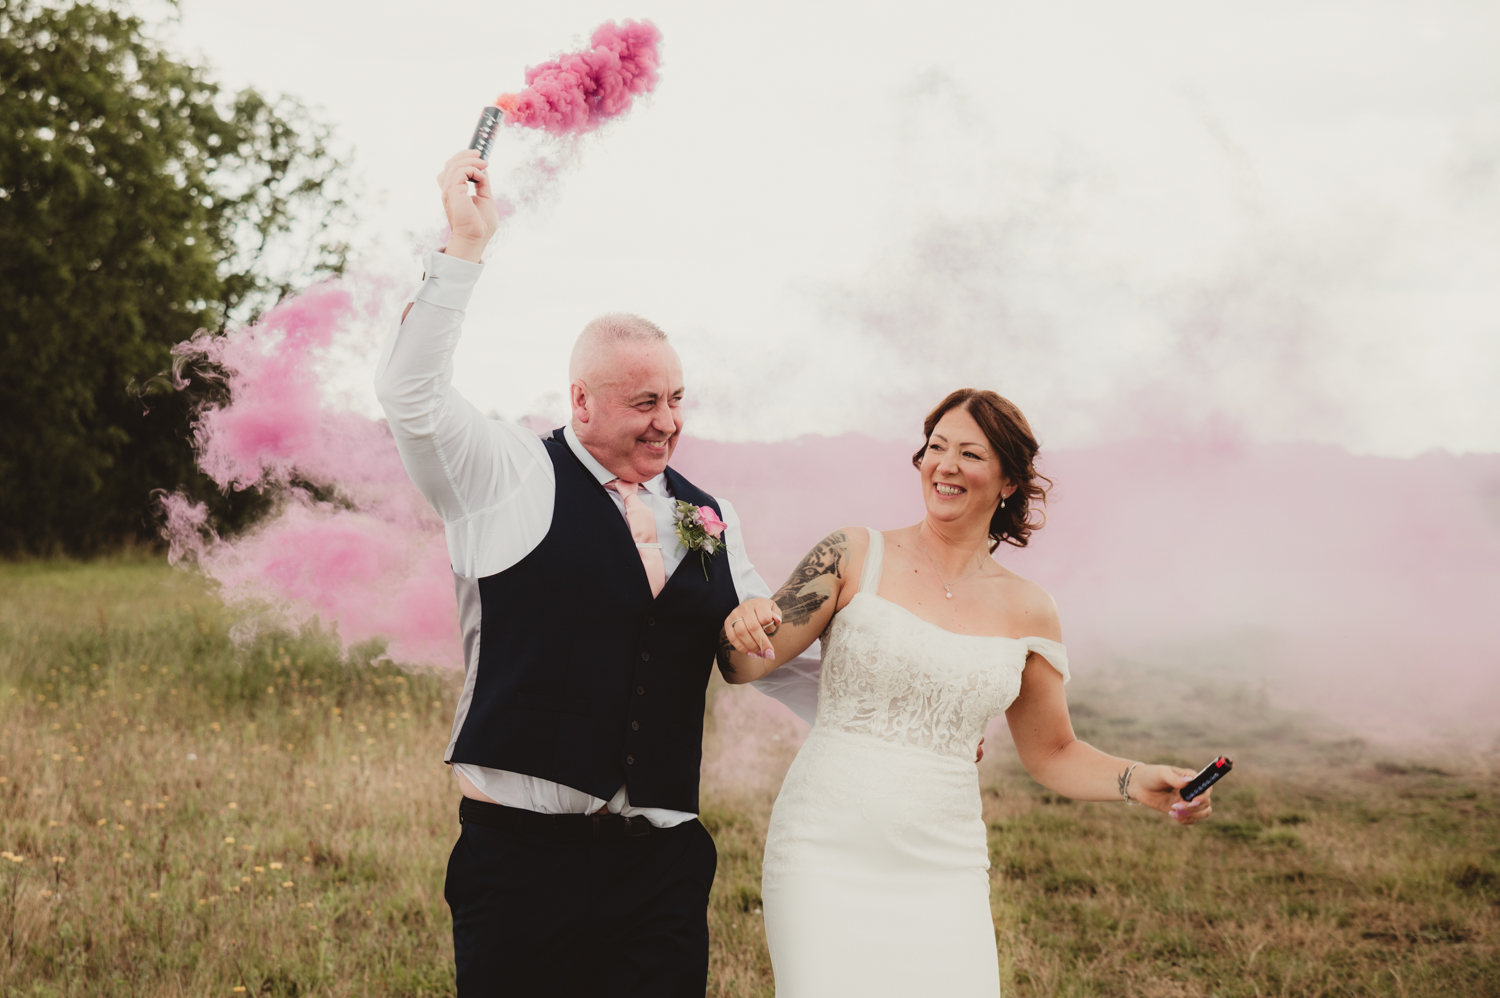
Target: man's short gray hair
[{"x": 608, "y": 331}]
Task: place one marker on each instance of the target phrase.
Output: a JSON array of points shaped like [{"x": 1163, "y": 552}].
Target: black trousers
[{"x": 536, "y": 913}]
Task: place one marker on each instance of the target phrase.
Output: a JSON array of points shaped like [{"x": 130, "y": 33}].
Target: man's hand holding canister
[{"x": 472, "y": 218}]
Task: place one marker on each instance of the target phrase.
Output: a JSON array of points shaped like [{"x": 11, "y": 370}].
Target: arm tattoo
[
  {"x": 726, "y": 667},
  {"x": 808, "y": 587}
]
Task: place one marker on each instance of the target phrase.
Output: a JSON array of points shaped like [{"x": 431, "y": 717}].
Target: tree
[{"x": 138, "y": 203}]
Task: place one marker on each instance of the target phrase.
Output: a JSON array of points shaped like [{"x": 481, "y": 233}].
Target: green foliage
[{"x": 138, "y": 203}]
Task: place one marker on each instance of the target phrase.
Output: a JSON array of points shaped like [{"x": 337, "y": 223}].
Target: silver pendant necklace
[{"x": 947, "y": 586}]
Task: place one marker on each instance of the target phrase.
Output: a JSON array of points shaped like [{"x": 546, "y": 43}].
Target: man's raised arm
[{"x": 466, "y": 465}]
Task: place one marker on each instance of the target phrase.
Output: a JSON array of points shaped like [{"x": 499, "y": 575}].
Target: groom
[{"x": 588, "y": 637}]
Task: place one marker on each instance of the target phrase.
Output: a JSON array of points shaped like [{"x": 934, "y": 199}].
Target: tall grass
[{"x": 181, "y": 814}]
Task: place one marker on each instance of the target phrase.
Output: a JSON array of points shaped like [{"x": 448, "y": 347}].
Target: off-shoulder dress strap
[
  {"x": 1055, "y": 654},
  {"x": 869, "y": 579}
]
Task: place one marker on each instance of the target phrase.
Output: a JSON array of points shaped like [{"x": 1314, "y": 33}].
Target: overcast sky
[{"x": 1280, "y": 219}]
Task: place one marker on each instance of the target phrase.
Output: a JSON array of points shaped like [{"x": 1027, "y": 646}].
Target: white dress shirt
[{"x": 493, "y": 483}]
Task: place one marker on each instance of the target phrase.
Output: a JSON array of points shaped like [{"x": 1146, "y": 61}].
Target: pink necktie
[{"x": 643, "y": 528}]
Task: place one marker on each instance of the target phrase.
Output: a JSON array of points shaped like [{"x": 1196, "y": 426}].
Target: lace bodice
[{"x": 891, "y": 674}]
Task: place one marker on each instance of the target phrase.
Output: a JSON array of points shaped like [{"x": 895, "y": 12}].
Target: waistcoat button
[
  {"x": 645, "y": 656},
  {"x": 630, "y": 760},
  {"x": 640, "y": 691},
  {"x": 635, "y": 725},
  {"x": 650, "y": 621}
]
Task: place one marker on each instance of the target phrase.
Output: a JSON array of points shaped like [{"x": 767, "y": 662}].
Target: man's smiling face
[{"x": 627, "y": 408}]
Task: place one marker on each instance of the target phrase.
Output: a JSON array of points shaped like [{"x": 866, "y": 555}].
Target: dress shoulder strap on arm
[
  {"x": 1053, "y": 651},
  {"x": 869, "y": 579}
]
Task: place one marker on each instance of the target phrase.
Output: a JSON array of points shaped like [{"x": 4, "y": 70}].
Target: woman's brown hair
[{"x": 1015, "y": 445}]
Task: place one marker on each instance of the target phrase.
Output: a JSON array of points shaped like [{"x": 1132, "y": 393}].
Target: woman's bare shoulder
[{"x": 1035, "y": 607}]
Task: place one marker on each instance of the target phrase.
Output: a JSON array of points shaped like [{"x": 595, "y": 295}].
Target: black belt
[{"x": 561, "y": 827}]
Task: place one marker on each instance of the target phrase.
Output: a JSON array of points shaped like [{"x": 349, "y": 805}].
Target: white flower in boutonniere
[{"x": 699, "y": 529}]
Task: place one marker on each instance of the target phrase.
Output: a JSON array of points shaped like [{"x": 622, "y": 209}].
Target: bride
[{"x": 874, "y": 881}]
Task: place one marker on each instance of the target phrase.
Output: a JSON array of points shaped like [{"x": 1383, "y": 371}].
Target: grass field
[{"x": 181, "y": 814}]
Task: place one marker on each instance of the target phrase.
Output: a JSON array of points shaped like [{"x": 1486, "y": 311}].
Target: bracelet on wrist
[{"x": 1125, "y": 785}]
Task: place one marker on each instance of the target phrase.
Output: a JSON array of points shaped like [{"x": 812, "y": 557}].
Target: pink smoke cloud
[
  {"x": 578, "y": 92},
  {"x": 351, "y": 542},
  {"x": 1361, "y": 588},
  {"x": 1358, "y": 586}
]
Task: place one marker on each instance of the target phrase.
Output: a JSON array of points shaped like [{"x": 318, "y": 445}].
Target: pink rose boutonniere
[{"x": 699, "y": 529}]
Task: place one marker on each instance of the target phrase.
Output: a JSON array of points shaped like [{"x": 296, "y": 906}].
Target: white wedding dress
[{"x": 876, "y": 879}]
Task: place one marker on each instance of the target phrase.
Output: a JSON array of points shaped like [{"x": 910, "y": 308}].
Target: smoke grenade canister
[
  {"x": 484, "y": 132},
  {"x": 1207, "y": 777}
]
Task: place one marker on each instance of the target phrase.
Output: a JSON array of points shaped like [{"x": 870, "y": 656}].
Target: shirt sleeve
[
  {"x": 490, "y": 481},
  {"x": 795, "y": 684},
  {"x": 747, "y": 581}
]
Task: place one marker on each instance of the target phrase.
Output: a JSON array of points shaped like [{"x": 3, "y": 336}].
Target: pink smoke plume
[
  {"x": 351, "y": 541},
  {"x": 1360, "y": 588},
  {"x": 578, "y": 92}
]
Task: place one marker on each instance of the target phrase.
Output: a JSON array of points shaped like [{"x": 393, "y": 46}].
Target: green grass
[{"x": 139, "y": 740}]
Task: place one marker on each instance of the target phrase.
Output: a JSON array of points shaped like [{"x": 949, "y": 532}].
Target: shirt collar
[{"x": 656, "y": 486}]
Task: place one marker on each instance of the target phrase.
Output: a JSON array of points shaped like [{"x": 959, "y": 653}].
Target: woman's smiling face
[{"x": 961, "y": 476}]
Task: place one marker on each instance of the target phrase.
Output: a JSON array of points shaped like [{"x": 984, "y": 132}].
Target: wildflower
[
  {"x": 46, "y": 893},
  {"x": 102, "y": 822},
  {"x": 233, "y": 806},
  {"x": 307, "y": 859},
  {"x": 202, "y": 901},
  {"x": 56, "y": 757},
  {"x": 286, "y": 883},
  {"x": 246, "y": 880},
  {"x": 369, "y": 741},
  {"x": 58, "y": 859},
  {"x": 238, "y": 988},
  {"x": 328, "y": 807},
  {"x": 260, "y": 869},
  {"x": 309, "y": 783},
  {"x": 119, "y": 828},
  {"x": 275, "y": 866},
  {"x": 153, "y": 895},
  {"x": 229, "y": 840}
]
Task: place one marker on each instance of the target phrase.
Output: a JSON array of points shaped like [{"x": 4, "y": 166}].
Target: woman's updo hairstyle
[{"x": 1015, "y": 445}]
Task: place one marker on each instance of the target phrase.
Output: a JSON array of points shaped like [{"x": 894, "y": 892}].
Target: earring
[{"x": 1002, "y": 502}]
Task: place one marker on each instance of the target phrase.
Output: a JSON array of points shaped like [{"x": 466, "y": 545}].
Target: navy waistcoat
[{"x": 582, "y": 678}]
